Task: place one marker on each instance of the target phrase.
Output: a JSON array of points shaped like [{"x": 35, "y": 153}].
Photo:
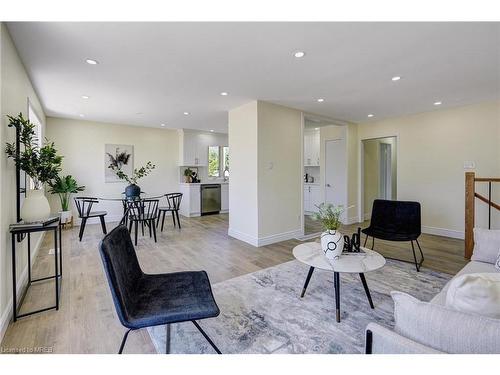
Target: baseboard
[
  {"x": 443, "y": 232},
  {"x": 268, "y": 240},
  {"x": 21, "y": 283},
  {"x": 254, "y": 241}
]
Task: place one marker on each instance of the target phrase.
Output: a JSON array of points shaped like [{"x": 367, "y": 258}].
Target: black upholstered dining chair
[
  {"x": 144, "y": 212},
  {"x": 145, "y": 300},
  {"x": 396, "y": 221},
  {"x": 84, "y": 208},
  {"x": 173, "y": 205}
]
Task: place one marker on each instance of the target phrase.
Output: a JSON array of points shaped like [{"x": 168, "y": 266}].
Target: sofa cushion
[
  {"x": 486, "y": 245},
  {"x": 475, "y": 293},
  {"x": 471, "y": 267},
  {"x": 443, "y": 328}
]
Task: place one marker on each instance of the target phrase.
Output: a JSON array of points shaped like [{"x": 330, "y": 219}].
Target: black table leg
[
  {"x": 308, "y": 278},
  {"x": 60, "y": 250},
  {"x": 367, "y": 291},
  {"x": 336, "y": 283},
  {"x": 56, "y": 261},
  {"x": 14, "y": 286},
  {"x": 29, "y": 259}
]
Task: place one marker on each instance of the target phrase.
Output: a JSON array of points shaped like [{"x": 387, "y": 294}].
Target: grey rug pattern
[{"x": 262, "y": 312}]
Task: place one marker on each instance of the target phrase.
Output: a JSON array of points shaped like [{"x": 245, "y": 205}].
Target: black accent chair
[
  {"x": 396, "y": 221},
  {"x": 144, "y": 300},
  {"x": 173, "y": 205},
  {"x": 84, "y": 207},
  {"x": 143, "y": 211}
]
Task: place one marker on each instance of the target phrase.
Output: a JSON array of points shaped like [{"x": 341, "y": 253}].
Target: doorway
[
  {"x": 336, "y": 174},
  {"x": 379, "y": 171}
]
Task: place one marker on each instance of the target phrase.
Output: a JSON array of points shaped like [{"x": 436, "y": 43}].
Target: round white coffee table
[{"x": 310, "y": 253}]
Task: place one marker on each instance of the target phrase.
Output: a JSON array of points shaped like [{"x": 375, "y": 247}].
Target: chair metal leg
[
  {"x": 366, "y": 240},
  {"x": 163, "y": 220},
  {"x": 123, "y": 341},
  {"x": 367, "y": 291},
  {"x": 373, "y": 242},
  {"x": 178, "y": 221},
  {"x": 82, "y": 228},
  {"x": 417, "y": 266},
  {"x": 167, "y": 339},
  {"x": 130, "y": 226},
  {"x": 206, "y": 337},
  {"x": 173, "y": 217},
  {"x": 150, "y": 225},
  {"x": 142, "y": 226},
  {"x": 308, "y": 278},
  {"x": 136, "y": 227},
  {"x": 421, "y": 253},
  {"x": 154, "y": 229},
  {"x": 103, "y": 224}
]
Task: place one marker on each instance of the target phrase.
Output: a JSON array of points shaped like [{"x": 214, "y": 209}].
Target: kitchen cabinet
[
  {"x": 311, "y": 147},
  {"x": 312, "y": 197},
  {"x": 193, "y": 149},
  {"x": 191, "y": 199}
]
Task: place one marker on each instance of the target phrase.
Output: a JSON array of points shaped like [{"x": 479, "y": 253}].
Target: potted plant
[
  {"x": 133, "y": 190},
  {"x": 332, "y": 241},
  {"x": 187, "y": 175},
  {"x": 42, "y": 164},
  {"x": 64, "y": 187}
]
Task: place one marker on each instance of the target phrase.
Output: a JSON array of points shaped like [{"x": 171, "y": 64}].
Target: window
[{"x": 218, "y": 161}]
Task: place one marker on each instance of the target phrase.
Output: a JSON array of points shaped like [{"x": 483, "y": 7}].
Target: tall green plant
[
  {"x": 42, "y": 164},
  {"x": 64, "y": 187},
  {"x": 329, "y": 215}
]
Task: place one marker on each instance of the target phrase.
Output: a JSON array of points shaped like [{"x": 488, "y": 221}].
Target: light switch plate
[{"x": 469, "y": 164}]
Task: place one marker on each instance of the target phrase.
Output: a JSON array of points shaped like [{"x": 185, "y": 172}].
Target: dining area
[{"x": 142, "y": 214}]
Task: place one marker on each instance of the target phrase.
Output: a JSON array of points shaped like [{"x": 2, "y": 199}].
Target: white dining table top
[{"x": 310, "y": 253}]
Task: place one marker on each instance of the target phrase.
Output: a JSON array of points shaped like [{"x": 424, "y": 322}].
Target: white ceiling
[{"x": 164, "y": 69}]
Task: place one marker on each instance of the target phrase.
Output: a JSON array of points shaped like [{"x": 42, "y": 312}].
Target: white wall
[
  {"x": 432, "y": 148},
  {"x": 82, "y": 145},
  {"x": 16, "y": 89},
  {"x": 243, "y": 145}
]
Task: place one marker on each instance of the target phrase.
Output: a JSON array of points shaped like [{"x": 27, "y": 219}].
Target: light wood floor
[{"x": 86, "y": 321}]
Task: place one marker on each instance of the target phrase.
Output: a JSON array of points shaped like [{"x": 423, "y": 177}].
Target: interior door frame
[
  {"x": 385, "y": 165},
  {"x": 346, "y": 176},
  {"x": 361, "y": 171},
  {"x": 301, "y": 175}
]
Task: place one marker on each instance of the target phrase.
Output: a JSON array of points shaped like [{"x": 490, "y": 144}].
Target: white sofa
[{"x": 449, "y": 329}]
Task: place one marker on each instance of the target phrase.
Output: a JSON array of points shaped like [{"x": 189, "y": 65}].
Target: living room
[{"x": 158, "y": 200}]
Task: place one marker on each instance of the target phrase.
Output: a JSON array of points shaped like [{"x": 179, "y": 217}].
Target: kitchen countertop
[
  {"x": 311, "y": 183},
  {"x": 204, "y": 183}
]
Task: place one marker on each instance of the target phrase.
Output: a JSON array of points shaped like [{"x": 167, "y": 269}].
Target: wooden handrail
[
  {"x": 485, "y": 200},
  {"x": 470, "y": 195}
]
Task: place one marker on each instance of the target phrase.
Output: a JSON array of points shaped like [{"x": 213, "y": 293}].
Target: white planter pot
[
  {"x": 65, "y": 216},
  {"x": 35, "y": 206},
  {"x": 332, "y": 244}
]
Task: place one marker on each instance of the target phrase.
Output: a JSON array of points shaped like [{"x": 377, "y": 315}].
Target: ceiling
[{"x": 151, "y": 73}]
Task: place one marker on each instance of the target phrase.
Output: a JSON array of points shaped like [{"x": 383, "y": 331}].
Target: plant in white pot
[
  {"x": 64, "y": 187},
  {"x": 42, "y": 164},
  {"x": 332, "y": 241},
  {"x": 133, "y": 190}
]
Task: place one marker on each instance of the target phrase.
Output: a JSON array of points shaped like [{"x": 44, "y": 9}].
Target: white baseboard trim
[
  {"x": 243, "y": 237},
  {"x": 443, "y": 232},
  {"x": 6, "y": 316}
]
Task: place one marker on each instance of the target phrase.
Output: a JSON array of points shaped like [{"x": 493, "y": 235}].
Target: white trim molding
[
  {"x": 443, "y": 232},
  {"x": 21, "y": 283},
  {"x": 254, "y": 241},
  {"x": 263, "y": 241}
]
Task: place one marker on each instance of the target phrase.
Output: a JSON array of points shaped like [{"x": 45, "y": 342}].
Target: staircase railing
[{"x": 470, "y": 200}]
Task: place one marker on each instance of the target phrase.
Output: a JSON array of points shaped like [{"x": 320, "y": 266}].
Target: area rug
[{"x": 262, "y": 312}]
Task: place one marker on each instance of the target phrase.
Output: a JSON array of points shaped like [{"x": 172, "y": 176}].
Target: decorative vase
[
  {"x": 65, "y": 216},
  {"x": 132, "y": 191},
  {"x": 332, "y": 244},
  {"x": 35, "y": 206}
]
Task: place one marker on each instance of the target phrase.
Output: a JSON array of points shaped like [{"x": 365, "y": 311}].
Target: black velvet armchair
[
  {"x": 396, "y": 221},
  {"x": 144, "y": 300}
]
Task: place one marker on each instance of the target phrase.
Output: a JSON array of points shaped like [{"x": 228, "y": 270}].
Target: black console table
[{"x": 54, "y": 227}]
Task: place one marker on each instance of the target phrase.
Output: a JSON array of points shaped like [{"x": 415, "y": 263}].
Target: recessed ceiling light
[
  {"x": 211, "y": 130},
  {"x": 91, "y": 61},
  {"x": 438, "y": 103},
  {"x": 320, "y": 100},
  {"x": 299, "y": 54},
  {"x": 396, "y": 78},
  {"x": 82, "y": 115},
  {"x": 186, "y": 113},
  {"x": 223, "y": 93},
  {"x": 85, "y": 97},
  {"x": 162, "y": 125},
  {"x": 370, "y": 115}
]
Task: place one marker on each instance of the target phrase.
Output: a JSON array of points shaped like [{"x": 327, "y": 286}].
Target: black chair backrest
[
  {"x": 84, "y": 205},
  {"x": 142, "y": 209},
  {"x": 174, "y": 200},
  {"x": 121, "y": 267},
  {"x": 400, "y": 217}
]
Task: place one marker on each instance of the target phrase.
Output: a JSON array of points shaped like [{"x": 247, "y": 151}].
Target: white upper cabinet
[
  {"x": 193, "y": 149},
  {"x": 311, "y": 147}
]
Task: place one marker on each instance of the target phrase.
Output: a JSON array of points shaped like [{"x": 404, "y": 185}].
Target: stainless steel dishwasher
[{"x": 210, "y": 199}]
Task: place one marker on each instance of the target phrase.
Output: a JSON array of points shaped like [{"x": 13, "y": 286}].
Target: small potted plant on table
[
  {"x": 64, "y": 187},
  {"x": 133, "y": 190},
  {"x": 332, "y": 241}
]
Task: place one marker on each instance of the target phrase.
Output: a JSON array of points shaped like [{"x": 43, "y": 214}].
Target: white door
[
  {"x": 385, "y": 187},
  {"x": 335, "y": 173}
]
